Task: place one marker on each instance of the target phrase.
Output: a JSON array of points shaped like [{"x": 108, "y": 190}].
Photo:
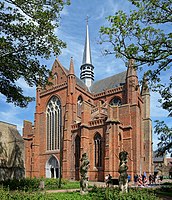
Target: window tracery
[{"x": 53, "y": 115}]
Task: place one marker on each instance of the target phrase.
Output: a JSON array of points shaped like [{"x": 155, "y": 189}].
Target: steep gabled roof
[
  {"x": 109, "y": 83},
  {"x": 62, "y": 67},
  {"x": 104, "y": 84}
]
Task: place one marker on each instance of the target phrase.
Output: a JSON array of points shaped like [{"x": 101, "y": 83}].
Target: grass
[
  {"x": 64, "y": 185},
  {"x": 33, "y": 184},
  {"x": 95, "y": 194},
  {"x": 29, "y": 190}
]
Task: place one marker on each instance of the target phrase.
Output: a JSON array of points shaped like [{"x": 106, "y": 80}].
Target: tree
[
  {"x": 144, "y": 35},
  {"x": 27, "y": 35},
  {"x": 165, "y": 137}
]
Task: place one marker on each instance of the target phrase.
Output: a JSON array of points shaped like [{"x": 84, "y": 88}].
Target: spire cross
[{"x": 87, "y": 19}]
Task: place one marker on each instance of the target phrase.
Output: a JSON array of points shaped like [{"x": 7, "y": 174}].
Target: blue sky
[{"x": 72, "y": 31}]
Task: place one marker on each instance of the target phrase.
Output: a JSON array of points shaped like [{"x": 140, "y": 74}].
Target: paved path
[
  {"x": 101, "y": 184},
  {"x": 63, "y": 190}
]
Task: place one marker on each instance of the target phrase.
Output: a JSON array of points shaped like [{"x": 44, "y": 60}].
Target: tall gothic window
[
  {"x": 98, "y": 150},
  {"x": 116, "y": 101},
  {"x": 53, "y": 114},
  {"x": 79, "y": 106}
]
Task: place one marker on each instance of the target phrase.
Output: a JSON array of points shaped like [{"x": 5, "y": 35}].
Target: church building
[{"x": 79, "y": 115}]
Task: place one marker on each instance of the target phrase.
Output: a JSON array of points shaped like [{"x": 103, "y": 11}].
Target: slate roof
[
  {"x": 78, "y": 81},
  {"x": 109, "y": 83},
  {"x": 81, "y": 84},
  {"x": 104, "y": 84}
]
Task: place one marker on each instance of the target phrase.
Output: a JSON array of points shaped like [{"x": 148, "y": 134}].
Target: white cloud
[
  {"x": 113, "y": 5},
  {"x": 73, "y": 50},
  {"x": 101, "y": 14}
]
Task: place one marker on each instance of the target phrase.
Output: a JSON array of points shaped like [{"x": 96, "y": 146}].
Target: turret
[
  {"x": 132, "y": 83},
  {"x": 146, "y": 98},
  {"x": 71, "y": 78},
  {"x": 147, "y": 126},
  {"x": 87, "y": 73},
  {"x": 71, "y": 68}
]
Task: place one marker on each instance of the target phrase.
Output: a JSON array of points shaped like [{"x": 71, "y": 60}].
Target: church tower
[{"x": 87, "y": 73}]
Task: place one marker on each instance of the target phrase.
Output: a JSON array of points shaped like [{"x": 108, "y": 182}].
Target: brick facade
[{"x": 126, "y": 126}]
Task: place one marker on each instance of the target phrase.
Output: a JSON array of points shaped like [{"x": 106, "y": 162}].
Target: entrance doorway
[{"x": 52, "y": 168}]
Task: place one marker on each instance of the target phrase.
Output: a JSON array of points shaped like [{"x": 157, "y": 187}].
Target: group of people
[
  {"x": 155, "y": 179},
  {"x": 141, "y": 180}
]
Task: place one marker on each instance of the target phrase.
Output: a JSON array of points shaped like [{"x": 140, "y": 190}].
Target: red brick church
[{"x": 78, "y": 115}]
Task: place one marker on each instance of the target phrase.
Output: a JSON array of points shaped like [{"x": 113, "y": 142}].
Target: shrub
[
  {"x": 7, "y": 195},
  {"x": 32, "y": 184},
  {"x": 114, "y": 194},
  {"x": 22, "y": 184}
]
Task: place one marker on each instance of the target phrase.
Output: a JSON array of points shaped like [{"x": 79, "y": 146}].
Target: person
[
  {"x": 140, "y": 183},
  {"x": 161, "y": 178},
  {"x": 129, "y": 178},
  {"x": 109, "y": 180},
  {"x": 158, "y": 178},
  {"x": 135, "y": 179},
  {"x": 106, "y": 179},
  {"x": 143, "y": 178},
  {"x": 150, "y": 179},
  {"x": 155, "y": 178}
]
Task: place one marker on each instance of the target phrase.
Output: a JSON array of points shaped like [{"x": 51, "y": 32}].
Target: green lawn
[
  {"x": 28, "y": 189},
  {"x": 95, "y": 194}
]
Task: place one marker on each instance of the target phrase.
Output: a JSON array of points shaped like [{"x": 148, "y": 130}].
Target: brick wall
[{"x": 121, "y": 128}]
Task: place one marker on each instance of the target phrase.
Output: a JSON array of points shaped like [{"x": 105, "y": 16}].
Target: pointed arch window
[
  {"x": 79, "y": 106},
  {"x": 98, "y": 150},
  {"x": 116, "y": 101},
  {"x": 53, "y": 115}
]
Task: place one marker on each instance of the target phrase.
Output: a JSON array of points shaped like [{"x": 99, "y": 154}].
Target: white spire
[
  {"x": 87, "y": 74},
  {"x": 87, "y": 49}
]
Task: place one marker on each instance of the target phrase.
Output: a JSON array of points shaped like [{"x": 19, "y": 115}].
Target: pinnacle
[{"x": 71, "y": 69}]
